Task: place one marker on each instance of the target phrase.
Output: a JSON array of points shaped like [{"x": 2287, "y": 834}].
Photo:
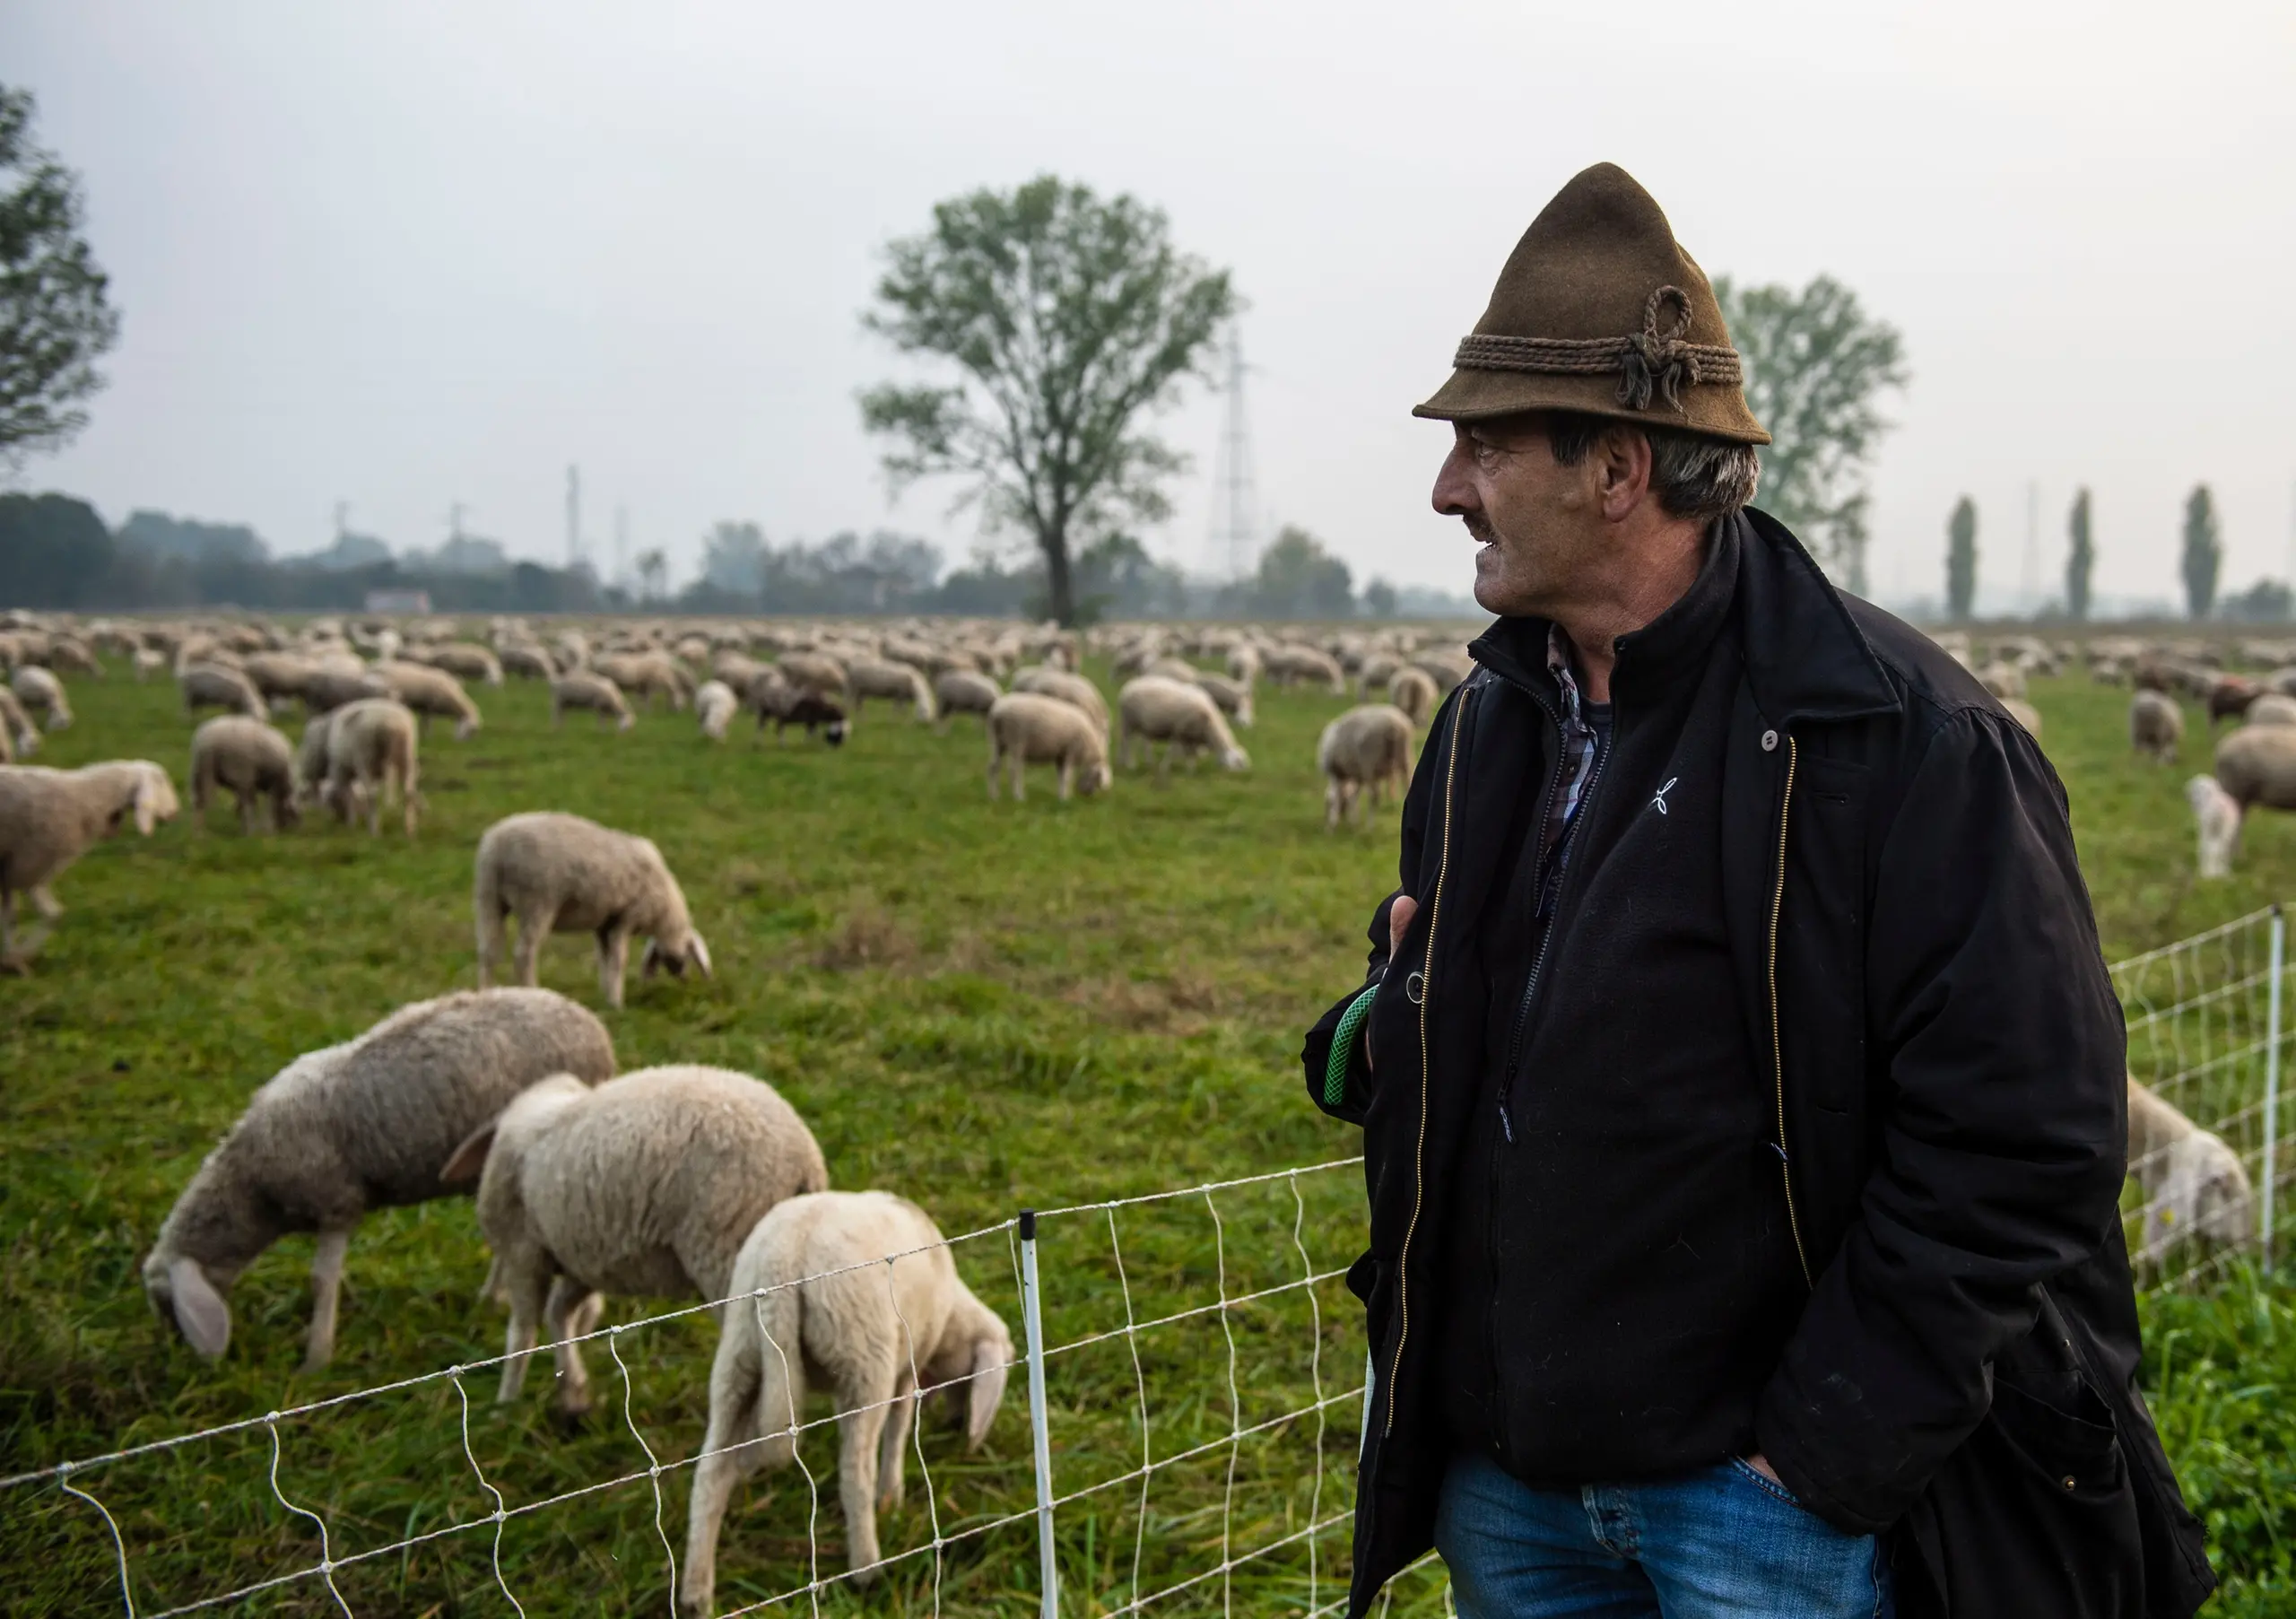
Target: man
[{"x": 1742, "y": 1086}]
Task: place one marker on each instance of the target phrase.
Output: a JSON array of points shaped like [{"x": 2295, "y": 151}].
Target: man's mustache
[{"x": 1479, "y": 526}]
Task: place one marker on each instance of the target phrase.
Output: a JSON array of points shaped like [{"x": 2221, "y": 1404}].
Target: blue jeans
[{"x": 1722, "y": 1541}]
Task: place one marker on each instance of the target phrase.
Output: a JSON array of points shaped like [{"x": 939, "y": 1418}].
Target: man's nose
[{"x": 1454, "y": 493}]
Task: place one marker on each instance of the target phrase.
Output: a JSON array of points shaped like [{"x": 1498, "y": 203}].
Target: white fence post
[
  {"x": 1032, "y": 1313},
  {"x": 2272, "y": 1078}
]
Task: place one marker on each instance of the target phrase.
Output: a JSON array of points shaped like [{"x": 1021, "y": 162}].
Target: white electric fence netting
[{"x": 1194, "y": 1392}]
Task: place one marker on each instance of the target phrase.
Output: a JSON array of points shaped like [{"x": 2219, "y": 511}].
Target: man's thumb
[{"x": 1399, "y": 915}]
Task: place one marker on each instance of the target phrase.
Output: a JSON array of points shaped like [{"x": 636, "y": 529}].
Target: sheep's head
[
  {"x": 1234, "y": 758},
  {"x": 834, "y": 733},
  {"x": 182, "y": 1295},
  {"x": 671, "y": 954},
  {"x": 1095, "y": 778},
  {"x": 975, "y": 1353},
  {"x": 466, "y": 728}
]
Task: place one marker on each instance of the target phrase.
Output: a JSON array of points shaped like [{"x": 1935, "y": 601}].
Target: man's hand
[
  {"x": 1760, "y": 1464},
  {"x": 1399, "y": 915}
]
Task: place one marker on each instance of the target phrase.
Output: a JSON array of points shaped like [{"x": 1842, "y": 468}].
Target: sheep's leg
[
  {"x": 44, "y": 902},
  {"x": 1067, "y": 775},
  {"x": 490, "y": 939},
  {"x": 246, "y": 813},
  {"x": 613, "y": 963},
  {"x": 327, "y": 1292},
  {"x": 860, "y": 1424},
  {"x": 728, "y": 1453},
  {"x": 892, "y": 1451},
  {"x": 562, "y": 1312},
  {"x": 534, "y": 927},
  {"x": 1020, "y": 776},
  {"x": 9, "y": 961},
  {"x": 1331, "y": 807},
  {"x": 525, "y": 1279}
]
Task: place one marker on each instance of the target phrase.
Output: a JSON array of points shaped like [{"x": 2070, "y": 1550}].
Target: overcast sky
[{"x": 408, "y": 255}]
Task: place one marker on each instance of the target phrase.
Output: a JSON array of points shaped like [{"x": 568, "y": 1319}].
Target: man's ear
[{"x": 1622, "y": 461}]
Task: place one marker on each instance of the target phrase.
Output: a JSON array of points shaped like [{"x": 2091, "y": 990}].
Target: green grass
[{"x": 982, "y": 1007}]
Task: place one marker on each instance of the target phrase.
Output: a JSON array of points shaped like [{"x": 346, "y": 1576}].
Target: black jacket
[{"x": 1915, "y": 954}]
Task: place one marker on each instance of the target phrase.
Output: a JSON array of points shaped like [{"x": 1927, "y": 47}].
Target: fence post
[
  {"x": 2272, "y": 1078},
  {"x": 1032, "y": 1313}
]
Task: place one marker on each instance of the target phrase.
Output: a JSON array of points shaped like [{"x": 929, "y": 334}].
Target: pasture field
[{"x": 983, "y": 1006}]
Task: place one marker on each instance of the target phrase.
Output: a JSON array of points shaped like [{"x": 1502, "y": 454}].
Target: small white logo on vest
[{"x": 1659, "y": 798}]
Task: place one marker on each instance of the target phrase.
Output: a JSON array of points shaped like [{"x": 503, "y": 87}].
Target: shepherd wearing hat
[{"x": 1743, "y": 1092}]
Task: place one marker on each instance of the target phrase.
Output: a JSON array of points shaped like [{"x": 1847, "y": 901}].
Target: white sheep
[
  {"x": 2024, "y": 714},
  {"x": 527, "y": 661},
  {"x": 871, "y": 677},
  {"x": 353, "y": 1127},
  {"x": 426, "y": 691},
  {"x": 1028, "y": 728},
  {"x": 715, "y": 706},
  {"x": 561, "y": 874},
  {"x": 2193, "y": 1183},
  {"x": 2156, "y": 726},
  {"x": 49, "y": 818},
  {"x": 2271, "y": 707},
  {"x": 1413, "y": 690},
  {"x": 965, "y": 691},
  {"x": 2004, "y": 680},
  {"x": 146, "y": 662},
  {"x": 648, "y": 1185},
  {"x": 1234, "y": 697},
  {"x": 1179, "y": 714},
  {"x": 38, "y": 688},
  {"x": 1068, "y": 687},
  {"x": 651, "y": 673},
  {"x": 1368, "y": 747},
  {"x": 465, "y": 661},
  {"x": 2256, "y": 764},
  {"x": 16, "y": 733},
  {"x": 581, "y": 688},
  {"x": 250, "y": 759},
  {"x": 2216, "y": 817},
  {"x": 856, "y": 1290},
  {"x": 371, "y": 753}
]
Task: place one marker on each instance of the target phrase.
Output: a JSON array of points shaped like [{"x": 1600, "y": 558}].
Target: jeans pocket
[{"x": 1769, "y": 1486}]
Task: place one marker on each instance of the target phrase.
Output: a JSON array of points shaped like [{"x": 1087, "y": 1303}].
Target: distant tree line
[{"x": 2200, "y": 562}]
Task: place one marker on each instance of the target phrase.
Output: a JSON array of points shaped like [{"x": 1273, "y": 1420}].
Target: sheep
[
  {"x": 2156, "y": 726},
  {"x": 580, "y": 689},
  {"x": 868, "y": 678},
  {"x": 2229, "y": 697},
  {"x": 47, "y": 820},
  {"x": 252, "y": 759},
  {"x": 715, "y": 706},
  {"x": 1234, "y": 697},
  {"x": 214, "y": 686},
  {"x": 964, "y": 692},
  {"x": 2004, "y": 680},
  {"x": 647, "y": 1185},
  {"x": 16, "y": 733},
  {"x": 1287, "y": 664},
  {"x": 426, "y": 692},
  {"x": 1368, "y": 746},
  {"x": 2216, "y": 817},
  {"x": 1411, "y": 688},
  {"x": 2256, "y": 764},
  {"x": 1028, "y": 727},
  {"x": 1181, "y": 716},
  {"x": 279, "y": 675},
  {"x": 776, "y": 698},
  {"x": 465, "y": 661},
  {"x": 814, "y": 671},
  {"x": 654, "y": 674},
  {"x": 361, "y": 1126},
  {"x": 146, "y": 662},
  {"x": 1069, "y": 688},
  {"x": 561, "y": 874},
  {"x": 2192, "y": 1182},
  {"x": 527, "y": 662},
  {"x": 370, "y": 751},
  {"x": 38, "y": 688},
  {"x": 2271, "y": 707},
  {"x": 329, "y": 688},
  {"x": 2024, "y": 714},
  {"x": 1171, "y": 668},
  {"x": 1244, "y": 662},
  {"x": 856, "y": 1290}
]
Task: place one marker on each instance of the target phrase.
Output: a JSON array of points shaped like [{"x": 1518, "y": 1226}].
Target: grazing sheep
[
  {"x": 868, "y": 678},
  {"x": 1179, "y": 714},
  {"x": 1449, "y": 670},
  {"x": 650, "y": 675},
  {"x": 214, "y": 686},
  {"x": 1244, "y": 662},
  {"x": 1413, "y": 690},
  {"x": 715, "y": 706},
  {"x": 279, "y": 675},
  {"x": 146, "y": 662},
  {"x": 2229, "y": 697},
  {"x": 2004, "y": 680},
  {"x": 812, "y": 671},
  {"x": 1171, "y": 668},
  {"x": 1069, "y": 688},
  {"x": 2024, "y": 714},
  {"x": 426, "y": 692},
  {"x": 370, "y": 752},
  {"x": 1366, "y": 747},
  {"x": 2216, "y": 817},
  {"x": 361, "y": 1126},
  {"x": 2193, "y": 1183},
  {"x": 2256, "y": 764},
  {"x": 1289, "y": 664},
  {"x": 465, "y": 661},
  {"x": 1234, "y": 697},
  {"x": 648, "y": 1185},
  {"x": 16, "y": 733},
  {"x": 2156, "y": 726},
  {"x": 38, "y": 688},
  {"x": 858, "y": 1291},
  {"x": 580, "y": 689},
  {"x": 776, "y": 698},
  {"x": 964, "y": 692},
  {"x": 527, "y": 662},
  {"x": 1028, "y": 727},
  {"x": 250, "y": 759},
  {"x": 2271, "y": 707},
  {"x": 47, "y": 820},
  {"x": 561, "y": 874},
  {"x": 329, "y": 688}
]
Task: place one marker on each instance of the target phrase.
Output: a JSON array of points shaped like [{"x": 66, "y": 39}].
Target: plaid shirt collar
[{"x": 1580, "y": 744}]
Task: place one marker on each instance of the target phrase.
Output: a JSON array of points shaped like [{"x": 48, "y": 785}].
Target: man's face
[{"x": 1539, "y": 522}]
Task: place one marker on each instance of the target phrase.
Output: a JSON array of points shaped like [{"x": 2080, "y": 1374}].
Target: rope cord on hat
[{"x": 1651, "y": 362}]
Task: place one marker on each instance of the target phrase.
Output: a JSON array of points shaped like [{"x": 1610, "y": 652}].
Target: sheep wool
[
  {"x": 252, "y": 760},
  {"x": 581, "y": 688},
  {"x": 50, "y": 818},
  {"x": 1028, "y": 728},
  {"x": 558, "y": 873},
  {"x": 2193, "y": 1184},
  {"x": 715, "y": 706},
  {"x": 1178, "y": 714},
  {"x": 1364, "y": 750}
]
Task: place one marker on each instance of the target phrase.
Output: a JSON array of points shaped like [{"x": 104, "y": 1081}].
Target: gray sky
[{"x": 412, "y": 254}]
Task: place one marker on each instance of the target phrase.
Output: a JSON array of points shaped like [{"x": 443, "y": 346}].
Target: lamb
[
  {"x": 715, "y": 705},
  {"x": 38, "y": 688},
  {"x": 1069, "y": 688},
  {"x": 1368, "y": 746},
  {"x": 2216, "y": 816},
  {"x": 869, "y": 678},
  {"x": 580, "y": 689},
  {"x": 2256, "y": 764},
  {"x": 1181, "y": 716},
  {"x": 250, "y": 757},
  {"x": 214, "y": 686},
  {"x": 1411, "y": 688},
  {"x": 426, "y": 692},
  {"x": 964, "y": 692},
  {"x": 855, "y": 1290},
  {"x": 370, "y": 751},
  {"x": 49, "y": 818},
  {"x": 2156, "y": 726},
  {"x": 2193, "y": 1183},
  {"x": 1028, "y": 727},
  {"x": 361, "y": 1126},
  {"x": 648, "y": 1185},
  {"x": 561, "y": 874},
  {"x": 16, "y": 733}
]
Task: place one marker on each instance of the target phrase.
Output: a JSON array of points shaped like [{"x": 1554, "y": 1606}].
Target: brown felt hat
[{"x": 1599, "y": 310}]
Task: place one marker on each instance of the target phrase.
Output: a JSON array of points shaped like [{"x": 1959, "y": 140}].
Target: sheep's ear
[
  {"x": 470, "y": 1158},
  {"x": 700, "y": 951},
  {"x": 650, "y": 962},
  {"x": 990, "y": 1351},
  {"x": 201, "y": 1314},
  {"x": 146, "y": 803}
]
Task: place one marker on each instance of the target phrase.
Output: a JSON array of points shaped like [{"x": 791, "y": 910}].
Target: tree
[
  {"x": 55, "y": 316},
  {"x": 2265, "y": 602},
  {"x": 1380, "y": 599},
  {"x": 2080, "y": 560},
  {"x": 1815, "y": 363},
  {"x": 1066, "y": 317},
  {"x": 55, "y": 552},
  {"x": 654, "y": 570},
  {"x": 2204, "y": 552},
  {"x": 1298, "y": 579},
  {"x": 733, "y": 559},
  {"x": 1960, "y": 559}
]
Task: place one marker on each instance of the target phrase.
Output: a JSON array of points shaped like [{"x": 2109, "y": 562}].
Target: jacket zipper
[
  {"x": 1426, "y": 994},
  {"x": 1777, "y": 1039}
]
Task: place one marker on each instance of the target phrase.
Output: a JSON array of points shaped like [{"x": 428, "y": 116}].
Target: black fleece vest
[{"x": 1621, "y": 1275}]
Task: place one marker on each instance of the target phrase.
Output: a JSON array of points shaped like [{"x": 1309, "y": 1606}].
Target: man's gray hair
[{"x": 1692, "y": 475}]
